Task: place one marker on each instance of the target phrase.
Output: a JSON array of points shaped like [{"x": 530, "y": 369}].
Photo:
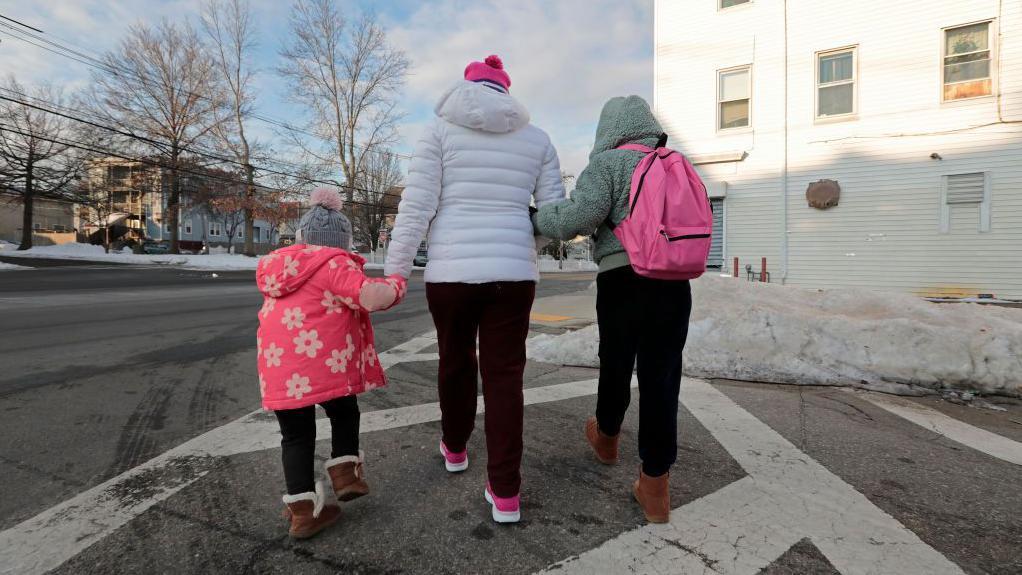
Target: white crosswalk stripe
[
  {"x": 785, "y": 498},
  {"x": 968, "y": 435},
  {"x": 747, "y": 525}
]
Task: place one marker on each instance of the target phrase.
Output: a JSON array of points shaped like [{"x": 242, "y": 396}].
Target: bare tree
[
  {"x": 376, "y": 197},
  {"x": 35, "y": 160},
  {"x": 228, "y": 23},
  {"x": 159, "y": 83},
  {"x": 348, "y": 78},
  {"x": 226, "y": 203},
  {"x": 556, "y": 247}
]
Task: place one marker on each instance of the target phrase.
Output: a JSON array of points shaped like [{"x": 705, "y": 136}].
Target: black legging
[
  {"x": 298, "y": 439},
  {"x": 643, "y": 323}
]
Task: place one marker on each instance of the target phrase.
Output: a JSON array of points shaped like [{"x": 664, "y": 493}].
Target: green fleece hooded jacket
[{"x": 602, "y": 190}]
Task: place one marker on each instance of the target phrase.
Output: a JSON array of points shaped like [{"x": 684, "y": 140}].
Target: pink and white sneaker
[
  {"x": 505, "y": 509},
  {"x": 455, "y": 462}
]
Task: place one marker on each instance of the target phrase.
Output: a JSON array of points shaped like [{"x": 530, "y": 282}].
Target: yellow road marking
[{"x": 547, "y": 317}]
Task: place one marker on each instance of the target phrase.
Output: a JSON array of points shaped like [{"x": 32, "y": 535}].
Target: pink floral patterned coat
[{"x": 315, "y": 341}]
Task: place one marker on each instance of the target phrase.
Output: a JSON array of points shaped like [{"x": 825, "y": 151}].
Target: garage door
[{"x": 716, "y": 258}]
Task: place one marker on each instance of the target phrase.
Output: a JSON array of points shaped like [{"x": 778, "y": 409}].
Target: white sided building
[{"x": 914, "y": 109}]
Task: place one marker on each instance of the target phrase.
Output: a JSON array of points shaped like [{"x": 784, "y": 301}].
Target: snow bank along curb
[
  {"x": 851, "y": 337},
  {"x": 4, "y": 267},
  {"x": 87, "y": 252}
]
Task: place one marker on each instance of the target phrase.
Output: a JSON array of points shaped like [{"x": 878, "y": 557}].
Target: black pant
[
  {"x": 499, "y": 313},
  {"x": 298, "y": 439},
  {"x": 644, "y": 319}
]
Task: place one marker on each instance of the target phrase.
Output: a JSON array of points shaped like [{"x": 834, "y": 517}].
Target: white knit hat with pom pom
[{"x": 324, "y": 224}]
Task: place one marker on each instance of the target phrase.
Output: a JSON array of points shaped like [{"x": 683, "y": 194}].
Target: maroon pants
[{"x": 499, "y": 313}]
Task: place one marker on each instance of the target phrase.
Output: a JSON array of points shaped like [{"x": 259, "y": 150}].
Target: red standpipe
[
  {"x": 736, "y": 267},
  {"x": 763, "y": 271}
]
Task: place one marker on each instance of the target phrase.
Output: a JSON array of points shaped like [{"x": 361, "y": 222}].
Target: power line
[
  {"x": 192, "y": 149},
  {"x": 78, "y": 56},
  {"x": 21, "y": 24},
  {"x": 162, "y": 145},
  {"x": 180, "y": 169}
]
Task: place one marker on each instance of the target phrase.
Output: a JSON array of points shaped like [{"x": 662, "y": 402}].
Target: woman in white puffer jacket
[{"x": 476, "y": 170}]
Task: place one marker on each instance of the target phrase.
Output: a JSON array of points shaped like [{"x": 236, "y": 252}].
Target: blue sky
[{"x": 565, "y": 57}]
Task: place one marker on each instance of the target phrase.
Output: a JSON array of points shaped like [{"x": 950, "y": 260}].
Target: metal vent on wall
[{"x": 965, "y": 188}]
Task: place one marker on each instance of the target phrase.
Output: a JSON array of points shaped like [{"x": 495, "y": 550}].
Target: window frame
[
  {"x": 722, "y": 8},
  {"x": 993, "y": 48},
  {"x": 718, "y": 101},
  {"x": 214, "y": 230},
  {"x": 984, "y": 205},
  {"x": 854, "y": 114},
  {"x": 188, "y": 227}
]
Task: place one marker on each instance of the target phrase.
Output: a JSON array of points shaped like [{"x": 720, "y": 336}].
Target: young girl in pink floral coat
[{"x": 315, "y": 346}]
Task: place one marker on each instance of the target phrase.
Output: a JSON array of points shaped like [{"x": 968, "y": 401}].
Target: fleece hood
[
  {"x": 623, "y": 120},
  {"x": 286, "y": 270},
  {"x": 476, "y": 106}
]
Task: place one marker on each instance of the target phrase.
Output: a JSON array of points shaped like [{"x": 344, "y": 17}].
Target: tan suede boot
[
  {"x": 604, "y": 446},
  {"x": 348, "y": 476},
  {"x": 311, "y": 512},
  {"x": 654, "y": 496}
]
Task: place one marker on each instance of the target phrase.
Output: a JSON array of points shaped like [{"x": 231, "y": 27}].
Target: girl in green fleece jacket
[{"x": 642, "y": 321}]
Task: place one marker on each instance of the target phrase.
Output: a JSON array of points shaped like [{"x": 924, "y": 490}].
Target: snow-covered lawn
[
  {"x": 875, "y": 340},
  {"x": 73, "y": 251},
  {"x": 11, "y": 267}
]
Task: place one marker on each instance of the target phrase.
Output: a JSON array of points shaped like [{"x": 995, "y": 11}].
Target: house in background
[
  {"x": 53, "y": 220},
  {"x": 130, "y": 198},
  {"x": 902, "y": 122}
]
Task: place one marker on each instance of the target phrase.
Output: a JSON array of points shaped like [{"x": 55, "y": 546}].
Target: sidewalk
[{"x": 568, "y": 311}]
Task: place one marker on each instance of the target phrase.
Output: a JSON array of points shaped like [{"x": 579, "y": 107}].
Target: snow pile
[
  {"x": 547, "y": 265},
  {"x": 7, "y": 246},
  {"x": 875, "y": 340},
  {"x": 75, "y": 251},
  {"x": 11, "y": 267}
]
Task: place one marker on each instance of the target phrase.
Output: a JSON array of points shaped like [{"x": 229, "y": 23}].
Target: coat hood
[
  {"x": 475, "y": 106},
  {"x": 624, "y": 120},
  {"x": 285, "y": 270}
]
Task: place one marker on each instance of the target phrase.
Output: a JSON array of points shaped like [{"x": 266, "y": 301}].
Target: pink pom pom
[
  {"x": 327, "y": 198},
  {"x": 494, "y": 62}
]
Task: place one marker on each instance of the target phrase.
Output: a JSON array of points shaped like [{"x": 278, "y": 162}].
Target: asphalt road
[{"x": 130, "y": 446}]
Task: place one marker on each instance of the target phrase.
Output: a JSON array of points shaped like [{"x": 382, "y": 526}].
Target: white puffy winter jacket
[{"x": 475, "y": 170}]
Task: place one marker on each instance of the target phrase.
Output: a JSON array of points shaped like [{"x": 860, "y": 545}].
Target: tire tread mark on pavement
[
  {"x": 135, "y": 445},
  {"x": 184, "y": 353}
]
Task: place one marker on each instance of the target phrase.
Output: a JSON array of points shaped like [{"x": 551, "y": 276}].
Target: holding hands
[{"x": 382, "y": 294}]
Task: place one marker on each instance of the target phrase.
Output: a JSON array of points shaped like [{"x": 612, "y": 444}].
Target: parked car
[
  {"x": 155, "y": 247},
  {"x": 421, "y": 256}
]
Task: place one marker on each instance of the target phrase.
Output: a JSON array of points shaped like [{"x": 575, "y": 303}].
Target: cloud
[{"x": 565, "y": 58}]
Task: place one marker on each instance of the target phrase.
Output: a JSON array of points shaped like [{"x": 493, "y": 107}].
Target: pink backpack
[{"x": 667, "y": 230}]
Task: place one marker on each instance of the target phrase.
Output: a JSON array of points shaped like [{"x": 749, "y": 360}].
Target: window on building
[
  {"x": 188, "y": 227},
  {"x": 835, "y": 83},
  {"x": 214, "y": 229},
  {"x": 734, "y": 96},
  {"x": 730, "y": 3},
  {"x": 241, "y": 232},
  {"x": 964, "y": 198},
  {"x": 967, "y": 62}
]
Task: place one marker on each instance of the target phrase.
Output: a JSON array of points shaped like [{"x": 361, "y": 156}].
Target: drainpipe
[{"x": 784, "y": 173}]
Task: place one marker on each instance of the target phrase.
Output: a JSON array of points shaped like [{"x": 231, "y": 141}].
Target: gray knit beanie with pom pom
[{"x": 324, "y": 224}]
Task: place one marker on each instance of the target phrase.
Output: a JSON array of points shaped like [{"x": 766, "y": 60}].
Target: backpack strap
[{"x": 634, "y": 148}]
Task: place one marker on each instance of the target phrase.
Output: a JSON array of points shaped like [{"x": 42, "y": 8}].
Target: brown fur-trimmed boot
[
  {"x": 348, "y": 476},
  {"x": 654, "y": 496},
  {"x": 311, "y": 512},
  {"x": 604, "y": 446}
]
